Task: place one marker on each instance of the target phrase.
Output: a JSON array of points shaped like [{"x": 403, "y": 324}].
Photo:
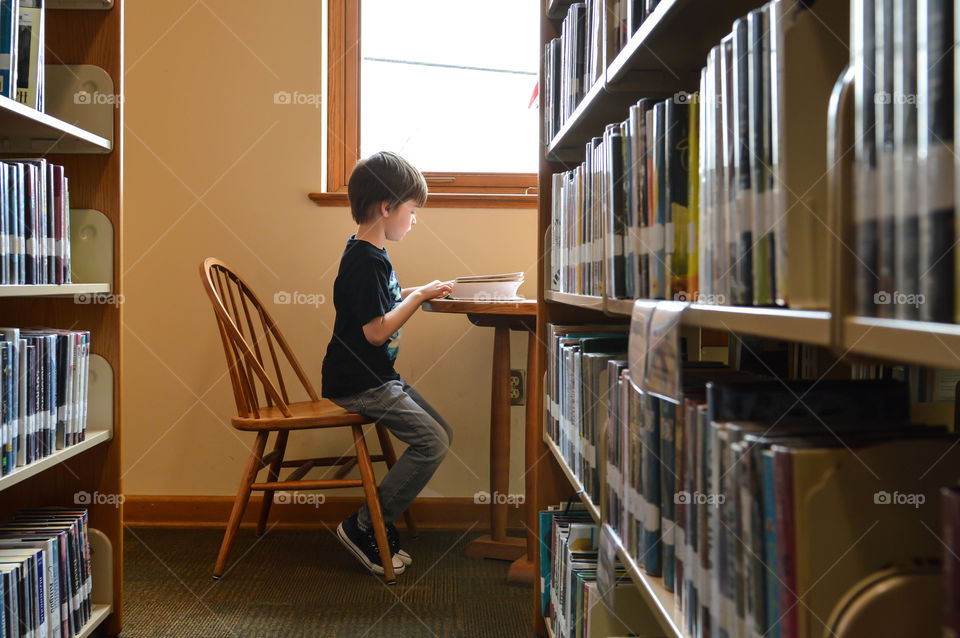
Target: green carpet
[{"x": 304, "y": 583}]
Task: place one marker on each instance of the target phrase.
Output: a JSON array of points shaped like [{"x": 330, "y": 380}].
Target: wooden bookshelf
[
  {"x": 99, "y": 615},
  {"x": 802, "y": 326},
  {"x": 591, "y": 508},
  {"x": 55, "y": 290},
  {"x": 30, "y": 131},
  {"x": 86, "y": 33},
  {"x": 588, "y": 302},
  {"x": 658, "y": 60},
  {"x": 931, "y": 344},
  {"x": 94, "y": 437},
  {"x": 675, "y": 39}
]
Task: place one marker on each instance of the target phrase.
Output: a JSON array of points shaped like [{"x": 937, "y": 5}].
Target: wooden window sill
[{"x": 445, "y": 200}]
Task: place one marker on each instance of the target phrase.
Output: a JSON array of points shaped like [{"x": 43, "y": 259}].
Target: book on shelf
[
  {"x": 9, "y": 15},
  {"x": 43, "y": 392},
  {"x": 718, "y": 487},
  {"x": 34, "y": 223},
  {"x": 573, "y": 607},
  {"x": 904, "y": 179},
  {"x": 47, "y": 578},
  {"x": 30, "y": 53},
  {"x": 711, "y": 181}
]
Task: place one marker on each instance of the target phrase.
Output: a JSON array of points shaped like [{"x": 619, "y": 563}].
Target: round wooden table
[{"x": 504, "y": 316}]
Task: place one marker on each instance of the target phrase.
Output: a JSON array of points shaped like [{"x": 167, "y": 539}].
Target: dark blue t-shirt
[{"x": 366, "y": 288}]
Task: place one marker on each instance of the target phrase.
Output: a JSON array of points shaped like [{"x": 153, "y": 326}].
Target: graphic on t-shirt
[{"x": 393, "y": 287}]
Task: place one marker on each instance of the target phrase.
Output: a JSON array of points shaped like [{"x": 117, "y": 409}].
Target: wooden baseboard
[{"x": 213, "y": 511}]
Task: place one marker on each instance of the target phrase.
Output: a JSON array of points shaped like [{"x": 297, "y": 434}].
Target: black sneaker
[
  {"x": 363, "y": 544},
  {"x": 393, "y": 537}
]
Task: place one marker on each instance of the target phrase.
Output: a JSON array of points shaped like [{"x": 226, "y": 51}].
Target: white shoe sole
[
  {"x": 373, "y": 567},
  {"x": 404, "y": 557}
]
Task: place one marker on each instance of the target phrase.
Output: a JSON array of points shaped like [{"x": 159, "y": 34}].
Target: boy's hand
[{"x": 435, "y": 289}]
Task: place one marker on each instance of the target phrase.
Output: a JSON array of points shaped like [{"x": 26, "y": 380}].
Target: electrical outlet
[{"x": 517, "y": 388}]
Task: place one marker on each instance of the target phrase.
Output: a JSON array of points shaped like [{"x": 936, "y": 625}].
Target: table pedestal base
[
  {"x": 521, "y": 572},
  {"x": 508, "y": 548}
]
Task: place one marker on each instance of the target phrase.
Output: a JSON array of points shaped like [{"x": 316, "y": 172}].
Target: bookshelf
[
  {"x": 84, "y": 34},
  {"x": 659, "y": 59}
]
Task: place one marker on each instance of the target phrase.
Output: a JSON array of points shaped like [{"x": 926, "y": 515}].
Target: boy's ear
[{"x": 384, "y": 208}]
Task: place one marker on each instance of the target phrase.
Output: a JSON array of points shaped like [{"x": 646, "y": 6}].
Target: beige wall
[{"x": 215, "y": 168}]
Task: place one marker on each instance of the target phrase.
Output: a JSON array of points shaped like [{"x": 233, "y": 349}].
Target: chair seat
[{"x": 304, "y": 415}]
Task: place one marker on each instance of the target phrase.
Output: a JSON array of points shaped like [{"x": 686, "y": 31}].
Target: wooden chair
[{"x": 250, "y": 336}]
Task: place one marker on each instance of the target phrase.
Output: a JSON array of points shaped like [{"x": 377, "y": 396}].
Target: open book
[{"x": 487, "y": 287}]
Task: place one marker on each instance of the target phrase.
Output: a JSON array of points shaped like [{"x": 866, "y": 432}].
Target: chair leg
[
  {"x": 386, "y": 446},
  {"x": 373, "y": 504},
  {"x": 279, "y": 446},
  {"x": 240, "y": 503}
]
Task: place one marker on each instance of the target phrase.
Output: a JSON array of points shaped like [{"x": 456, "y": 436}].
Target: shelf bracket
[{"x": 82, "y": 95}]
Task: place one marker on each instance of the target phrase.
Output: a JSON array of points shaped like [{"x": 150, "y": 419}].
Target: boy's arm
[
  {"x": 378, "y": 330},
  {"x": 406, "y": 291}
]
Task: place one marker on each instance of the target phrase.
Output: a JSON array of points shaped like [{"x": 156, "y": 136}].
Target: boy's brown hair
[{"x": 383, "y": 177}]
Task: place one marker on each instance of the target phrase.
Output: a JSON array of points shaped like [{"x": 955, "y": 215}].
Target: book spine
[
  {"x": 740, "y": 100},
  {"x": 668, "y": 423},
  {"x": 865, "y": 223},
  {"x": 652, "y": 564},
  {"x": 661, "y": 278},
  {"x": 906, "y": 275},
  {"x": 777, "y": 213},
  {"x": 677, "y": 116},
  {"x": 759, "y": 83},
  {"x": 786, "y": 543},
  {"x": 935, "y": 152},
  {"x": 705, "y": 249},
  {"x": 693, "y": 200},
  {"x": 884, "y": 132},
  {"x": 651, "y": 204},
  {"x": 950, "y": 515}
]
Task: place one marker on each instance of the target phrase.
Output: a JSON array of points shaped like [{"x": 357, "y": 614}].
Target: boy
[{"x": 358, "y": 375}]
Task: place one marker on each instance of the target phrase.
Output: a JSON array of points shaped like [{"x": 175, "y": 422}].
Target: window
[{"x": 448, "y": 84}]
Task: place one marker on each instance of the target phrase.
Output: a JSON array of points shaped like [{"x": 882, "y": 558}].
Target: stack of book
[
  {"x": 44, "y": 378},
  {"x": 570, "y": 597},
  {"x": 45, "y": 575},
  {"x": 34, "y": 223},
  {"x": 904, "y": 229}
]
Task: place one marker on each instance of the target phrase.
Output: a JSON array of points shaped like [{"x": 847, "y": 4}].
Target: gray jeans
[{"x": 411, "y": 419}]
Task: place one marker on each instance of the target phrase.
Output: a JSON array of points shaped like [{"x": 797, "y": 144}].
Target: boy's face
[{"x": 400, "y": 219}]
